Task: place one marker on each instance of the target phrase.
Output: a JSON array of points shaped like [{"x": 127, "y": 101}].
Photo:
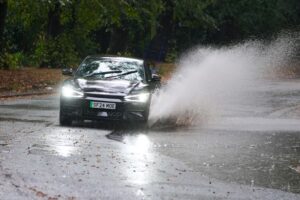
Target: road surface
[{"x": 251, "y": 152}]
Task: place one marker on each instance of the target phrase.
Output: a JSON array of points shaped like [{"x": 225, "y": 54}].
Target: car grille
[{"x": 101, "y": 96}]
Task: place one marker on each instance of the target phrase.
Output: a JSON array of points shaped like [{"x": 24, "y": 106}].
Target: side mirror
[
  {"x": 67, "y": 71},
  {"x": 155, "y": 78}
]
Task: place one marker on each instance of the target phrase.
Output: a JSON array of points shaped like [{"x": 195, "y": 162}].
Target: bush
[
  {"x": 40, "y": 52},
  {"x": 11, "y": 60},
  {"x": 58, "y": 52}
]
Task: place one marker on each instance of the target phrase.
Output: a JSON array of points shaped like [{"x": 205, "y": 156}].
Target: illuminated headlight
[
  {"x": 142, "y": 97},
  {"x": 69, "y": 92}
]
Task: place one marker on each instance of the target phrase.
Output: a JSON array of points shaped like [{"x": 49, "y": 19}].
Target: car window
[{"x": 100, "y": 68}]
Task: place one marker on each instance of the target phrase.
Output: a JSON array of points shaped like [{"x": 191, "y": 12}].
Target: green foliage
[
  {"x": 61, "y": 52},
  {"x": 12, "y": 61},
  {"x": 58, "y": 52},
  {"x": 133, "y": 27},
  {"x": 40, "y": 52}
]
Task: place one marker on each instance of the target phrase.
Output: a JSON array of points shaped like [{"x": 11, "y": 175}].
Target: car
[{"x": 107, "y": 88}]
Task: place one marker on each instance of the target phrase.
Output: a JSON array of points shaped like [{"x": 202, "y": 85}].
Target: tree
[
  {"x": 59, "y": 33},
  {"x": 158, "y": 46},
  {"x": 54, "y": 26},
  {"x": 3, "y": 11}
]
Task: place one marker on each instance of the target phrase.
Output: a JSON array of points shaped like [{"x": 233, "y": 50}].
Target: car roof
[{"x": 121, "y": 58}]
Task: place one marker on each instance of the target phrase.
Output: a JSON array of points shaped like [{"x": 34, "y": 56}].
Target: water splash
[{"x": 207, "y": 78}]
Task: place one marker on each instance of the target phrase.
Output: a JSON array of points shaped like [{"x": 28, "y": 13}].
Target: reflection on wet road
[
  {"x": 251, "y": 152},
  {"x": 57, "y": 143}
]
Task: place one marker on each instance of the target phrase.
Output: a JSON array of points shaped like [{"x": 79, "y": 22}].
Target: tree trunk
[
  {"x": 3, "y": 11},
  {"x": 75, "y": 5},
  {"x": 54, "y": 26},
  {"x": 118, "y": 41},
  {"x": 158, "y": 47},
  {"x": 102, "y": 37}
]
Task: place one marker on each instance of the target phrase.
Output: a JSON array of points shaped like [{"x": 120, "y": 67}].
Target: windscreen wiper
[
  {"x": 100, "y": 73},
  {"x": 122, "y": 74}
]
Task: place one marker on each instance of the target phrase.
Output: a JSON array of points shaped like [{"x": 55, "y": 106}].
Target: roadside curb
[{"x": 12, "y": 95}]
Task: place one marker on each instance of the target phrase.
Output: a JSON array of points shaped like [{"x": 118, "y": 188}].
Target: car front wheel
[{"x": 64, "y": 120}]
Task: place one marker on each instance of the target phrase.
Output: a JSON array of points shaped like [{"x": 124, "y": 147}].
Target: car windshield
[{"x": 112, "y": 68}]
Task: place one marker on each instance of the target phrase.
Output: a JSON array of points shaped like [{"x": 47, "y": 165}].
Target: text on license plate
[{"x": 103, "y": 105}]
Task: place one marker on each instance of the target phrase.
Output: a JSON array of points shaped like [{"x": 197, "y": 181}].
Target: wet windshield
[{"x": 112, "y": 68}]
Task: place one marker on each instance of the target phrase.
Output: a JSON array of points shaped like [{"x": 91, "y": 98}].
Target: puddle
[
  {"x": 55, "y": 150},
  {"x": 37, "y": 151},
  {"x": 59, "y": 143},
  {"x": 3, "y": 143}
]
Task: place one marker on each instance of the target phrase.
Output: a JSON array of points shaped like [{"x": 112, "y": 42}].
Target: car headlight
[
  {"x": 142, "y": 97},
  {"x": 69, "y": 92}
]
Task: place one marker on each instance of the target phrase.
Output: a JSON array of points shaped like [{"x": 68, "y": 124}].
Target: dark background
[{"x": 59, "y": 33}]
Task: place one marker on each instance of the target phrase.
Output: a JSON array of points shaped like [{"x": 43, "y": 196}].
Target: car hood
[{"x": 120, "y": 87}]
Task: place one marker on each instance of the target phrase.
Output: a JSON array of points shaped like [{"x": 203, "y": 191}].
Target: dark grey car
[{"x": 107, "y": 88}]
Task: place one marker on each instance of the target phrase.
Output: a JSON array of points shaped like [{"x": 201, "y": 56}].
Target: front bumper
[{"x": 80, "y": 109}]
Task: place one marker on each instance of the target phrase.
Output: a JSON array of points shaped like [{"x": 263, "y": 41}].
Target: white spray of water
[{"x": 206, "y": 78}]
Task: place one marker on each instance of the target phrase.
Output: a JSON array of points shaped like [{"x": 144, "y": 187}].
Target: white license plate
[{"x": 103, "y": 105}]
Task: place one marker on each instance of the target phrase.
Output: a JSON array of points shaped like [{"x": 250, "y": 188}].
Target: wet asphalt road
[{"x": 251, "y": 152}]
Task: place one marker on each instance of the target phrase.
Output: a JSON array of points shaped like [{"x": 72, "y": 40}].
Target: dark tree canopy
[
  {"x": 57, "y": 33},
  {"x": 3, "y": 10}
]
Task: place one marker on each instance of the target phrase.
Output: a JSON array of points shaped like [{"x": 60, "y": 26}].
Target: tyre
[
  {"x": 143, "y": 124},
  {"x": 64, "y": 120}
]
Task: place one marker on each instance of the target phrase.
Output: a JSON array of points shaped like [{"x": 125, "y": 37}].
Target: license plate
[{"x": 103, "y": 105}]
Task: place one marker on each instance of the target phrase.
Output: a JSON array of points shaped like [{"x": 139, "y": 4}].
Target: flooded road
[{"x": 250, "y": 151}]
